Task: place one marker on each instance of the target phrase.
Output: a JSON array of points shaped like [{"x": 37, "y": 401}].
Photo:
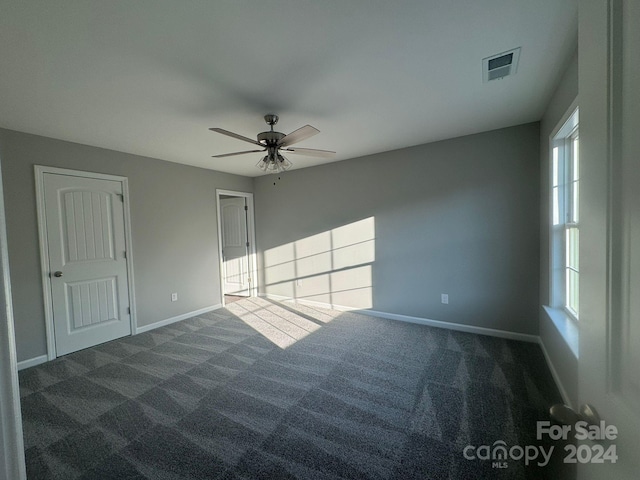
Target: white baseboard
[
  {"x": 440, "y": 324},
  {"x": 184, "y": 316},
  {"x": 406, "y": 318},
  {"x": 460, "y": 327},
  {"x": 554, "y": 374},
  {"x": 32, "y": 362}
]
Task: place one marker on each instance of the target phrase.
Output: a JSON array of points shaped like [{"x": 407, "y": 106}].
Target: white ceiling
[{"x": 150, "y": 77}]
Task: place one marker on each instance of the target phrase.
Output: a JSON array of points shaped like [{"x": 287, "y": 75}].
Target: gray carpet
[{"x": 262, "y": 390}]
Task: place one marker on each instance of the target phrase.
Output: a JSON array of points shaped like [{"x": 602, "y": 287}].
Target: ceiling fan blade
[
  {"x": 235, "y": 135},
  {"x": 235, "y": 153},
  {"x": 298, "y": 135},
  {"x": 312, "y": 152}
]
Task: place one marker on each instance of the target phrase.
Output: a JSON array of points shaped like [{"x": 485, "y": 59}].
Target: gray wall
[
  {"x": 174, "y": 229},
  {"x": 563, "y": 360},
  {"x": 459, "y": 216}
]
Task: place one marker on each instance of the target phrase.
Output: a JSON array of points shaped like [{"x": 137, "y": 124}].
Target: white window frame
[{"x": 564, "y": 215}]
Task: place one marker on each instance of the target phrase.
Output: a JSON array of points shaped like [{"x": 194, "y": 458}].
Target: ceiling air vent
[{"x": 501, "y": 65}]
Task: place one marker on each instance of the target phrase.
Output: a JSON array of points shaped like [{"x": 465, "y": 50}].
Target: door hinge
[
  {"x": 246, "y": 208},
  {"x": 120, "y": 196},
  {"x": 247, "y": 244},
  {"x": 129, "y": 310},
  {"x": 124, "y": 255}
]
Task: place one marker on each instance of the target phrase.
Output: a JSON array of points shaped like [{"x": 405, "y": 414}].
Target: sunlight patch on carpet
[{"x": 281, "y": 326}]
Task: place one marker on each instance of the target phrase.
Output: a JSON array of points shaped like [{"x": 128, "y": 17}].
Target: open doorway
[{"x": 236, "y": 241}]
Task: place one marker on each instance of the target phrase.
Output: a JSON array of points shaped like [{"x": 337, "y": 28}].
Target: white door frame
[
  {"x": 44, "y": 252},
  {"x": 251, "y": 233},
  {"x": 11, "y": 440}
]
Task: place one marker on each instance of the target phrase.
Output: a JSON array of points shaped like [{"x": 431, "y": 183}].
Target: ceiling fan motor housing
[{"x": 270, "y": 138}]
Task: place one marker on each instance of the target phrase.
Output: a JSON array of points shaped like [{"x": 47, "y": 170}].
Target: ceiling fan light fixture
[
  {"x": 274, "y": 164},
  {"x": 263, "y": 164},
  {"x": 271, "y": 164},
  {"x": 284, "y": 163}
]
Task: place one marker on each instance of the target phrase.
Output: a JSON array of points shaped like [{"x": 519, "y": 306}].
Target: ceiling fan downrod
[{"x": 270, "y": 138}]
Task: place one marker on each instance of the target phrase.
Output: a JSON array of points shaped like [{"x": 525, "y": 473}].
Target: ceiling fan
[{"x": 274, "y": 142}]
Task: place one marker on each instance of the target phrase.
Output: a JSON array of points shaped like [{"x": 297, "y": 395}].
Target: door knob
[
  {"x": 566, "y": 415},
  {"x": 57, "y": 274}
]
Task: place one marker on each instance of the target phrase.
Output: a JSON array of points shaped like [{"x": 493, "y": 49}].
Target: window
[{"x": 565, "y": 217}]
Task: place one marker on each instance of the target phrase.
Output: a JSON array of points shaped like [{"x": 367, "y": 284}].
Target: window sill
[{"x": 566, "y": 326}]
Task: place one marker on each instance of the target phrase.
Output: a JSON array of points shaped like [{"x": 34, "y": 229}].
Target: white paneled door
[
  {"x": 85, "y": 235},
  {"x": 609, "y": 74},
  {"x": 235, "y": 246}
]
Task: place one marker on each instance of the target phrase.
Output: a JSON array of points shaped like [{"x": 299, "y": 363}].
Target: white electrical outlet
[
  {"x": 174, "y": 297},
  {"x": 444, "y": 298}
]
